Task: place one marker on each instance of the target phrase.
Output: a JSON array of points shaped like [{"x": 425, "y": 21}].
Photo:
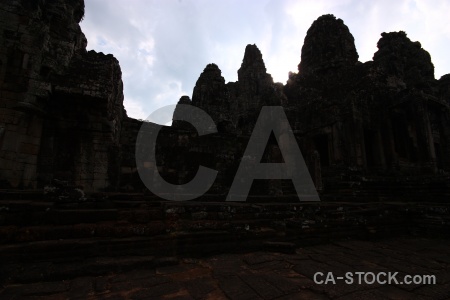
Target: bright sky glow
[{"x": 164, "y": 45}]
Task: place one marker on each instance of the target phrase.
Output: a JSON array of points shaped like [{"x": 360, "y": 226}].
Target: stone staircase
[{"x": 113, "y": 231}]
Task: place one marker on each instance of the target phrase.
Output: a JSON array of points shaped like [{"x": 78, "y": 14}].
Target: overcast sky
[{"x": 164, "y": 45}]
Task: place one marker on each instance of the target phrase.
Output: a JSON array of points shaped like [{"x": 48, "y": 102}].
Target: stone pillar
[
  {"x": 380, "y": 149},
  {"x": 336, "y": 138},
  {"x": 316, "y": 170},
  {"x": 358, "y": 143},
  {"x": 391, "y": 143},
  {"x": 429, "y": 137}
]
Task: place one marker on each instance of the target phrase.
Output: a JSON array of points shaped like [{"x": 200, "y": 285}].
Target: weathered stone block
[
  {"x": 99, "y": 184},
  {"x": 6, "y": 119},
  {"x": 28, "y": 148},
  {"x": 7, "y": 164},
  {"x": 10, "y": 141}
]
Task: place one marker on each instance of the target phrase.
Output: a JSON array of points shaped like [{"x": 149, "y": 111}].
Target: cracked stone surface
[{"x": 265, "y": 275}]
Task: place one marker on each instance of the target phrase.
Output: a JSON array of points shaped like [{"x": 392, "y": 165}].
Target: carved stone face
[
  {"x": 53, "y": 37},
  {"x": 327, "y": 43}
]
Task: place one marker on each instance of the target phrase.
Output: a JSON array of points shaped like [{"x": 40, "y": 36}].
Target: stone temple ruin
[
  {"x": 375, "y": 130},
  {"x": 375, "y": 137}
]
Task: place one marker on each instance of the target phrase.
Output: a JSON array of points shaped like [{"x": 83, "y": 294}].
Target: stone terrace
[
  {"x": 118, "y": 246},
  {"x": 256, "y": 275}
]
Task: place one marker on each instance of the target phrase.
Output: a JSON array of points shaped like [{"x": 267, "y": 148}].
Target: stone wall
[
  {"x": 357, "y": 124},
  {"x": 38, "y": 39},
  {"x": 81, "y": 140},
  {"x": 60, "y": 106}
]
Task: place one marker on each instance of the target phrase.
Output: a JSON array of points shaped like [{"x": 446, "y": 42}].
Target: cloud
[
  {"x": 164, "y": 45},
  {"x": 134, "y": 108}
]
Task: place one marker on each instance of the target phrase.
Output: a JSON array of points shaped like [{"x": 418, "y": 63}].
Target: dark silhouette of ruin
[
  {"x": 77, "y": 222},
  {"x": 375, "y": 130}
]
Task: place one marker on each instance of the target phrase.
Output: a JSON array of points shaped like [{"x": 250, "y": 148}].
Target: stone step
[
  {"x": 43, "y": 205},
  {"x": 169, "y": 219},
  {"x": 56, "y": 216},
  {"x": 175, "y": 244},
  {"x": 170, "y": 211},
  {"x": 172, "y": 217},
  {"x": 69, "y": 268},
  {"x": 20, "y": 234},
  {"x": 12, "y": 194}
]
